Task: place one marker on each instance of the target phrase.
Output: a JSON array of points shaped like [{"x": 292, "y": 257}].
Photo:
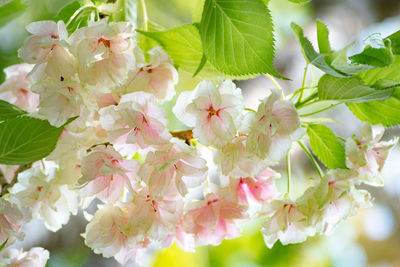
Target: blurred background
[{"x": 371, "y": 238}]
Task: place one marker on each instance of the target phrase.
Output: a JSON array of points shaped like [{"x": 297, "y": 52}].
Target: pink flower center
[{"x": 105, "y": 42}]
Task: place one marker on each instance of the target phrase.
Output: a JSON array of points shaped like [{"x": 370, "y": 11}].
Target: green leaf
[
  {"x": 9, "y": 10},
  {"x": 350, "y": 89},
  {"x": 310, "y": 55},
  {"x": 237, "y": 36},
  {"x": 377, "y": 53},
  {"x": 326, "y": 146},
  {"x": 395, "y": 42},
  {"x": 183, "y": 45},
  {"x": 385, "y": 112},
  {"x": 25, "y": 139},
  {"x": 323, "y": 38},
  {"x": 338, "y": 60},
  {"x": 9, "y": 111},
  {"x": 2, "y": 246}
]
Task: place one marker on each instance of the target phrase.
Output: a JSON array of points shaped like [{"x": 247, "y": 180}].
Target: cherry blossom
[
  {"x": 157, "y": 77},
  {"x": 36, "y": 256},
  {"x": 110, "y": 232},
  {"x": 106, "y": 174},
  {"x": 136, "y": 120},
  {"x": 105, "y": 52},
  {"x": 46, "y": 35},
  {"x": 368, "y": 155},
  {"x": 212, "y": 111},
  {"x": 47, "y": 199},
  {"x": 12, "y": 218},
  {"x": 273, "y": 127},
  {"x": 214, "y": 218},
  {"x": 16, "y": 89},
  {"x": 236, "y": 161},
  {"x": 284, "y": 222},
  {"x": 259, "y": 189},
  {"x": 178, "y": 166}
]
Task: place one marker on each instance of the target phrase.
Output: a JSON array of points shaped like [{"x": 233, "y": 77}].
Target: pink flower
[
  {"x": 214, "y": 218},
  {"x": 272, "y": 127},
  {"x": 35, "y": 257},
  {"x": 259, "y": 189},
  {"x": 212, "y": 111},
  {"x": 158, "y": 77},
  {"x": 135, "y": 120},
  {"x": 15, "y": 89},
  {"x": 12, "y": 218},
  {"x": 178, "y": 166},
  {"x": 106, "y": 174}
]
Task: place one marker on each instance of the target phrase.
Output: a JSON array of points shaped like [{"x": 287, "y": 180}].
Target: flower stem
[
  {"x": 304, "y": 82},
  {"x": 310, "y": 156}
]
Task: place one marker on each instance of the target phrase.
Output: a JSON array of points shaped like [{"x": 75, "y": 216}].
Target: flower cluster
[{"x": 154, "y": 188}]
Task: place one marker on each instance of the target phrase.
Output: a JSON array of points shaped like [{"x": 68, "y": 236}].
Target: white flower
[
  {"x": 35, "y": 257},
  {"x": 135, "y": 120},
  {"x": 157, "y": 77},
  {"x": 110, "y": 232},
  {"x": 236, "y": 161},
  {"x": 46, "y": 35},
  {"x": 15, "y": 88},
  {"x": 272, "y": 127},
  {"x": 285, "y": 222},
  {"x": 367, "y": 155},
  {"x": 105, "y": 53},
  {"x": 212, "y": 111},
  {"x": 43, "y": 195},
  {"x": 178, "y": 166}
]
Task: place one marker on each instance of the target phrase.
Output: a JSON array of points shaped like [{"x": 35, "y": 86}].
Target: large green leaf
[
  {"x": 350, "y": 89},
  {"x": 237, "y": 36},
  {"x": 183, "y": 45},
  {"x": 377, "y": 53},
  {"x": 326, "y": 146},
  {"x": 25, "y": 139},
  {"x": 9, "y": 111},
  {"x": 311, "y": 56},
  {"x": 386, "y": 112},
  {"x": 9, "y": 10}
]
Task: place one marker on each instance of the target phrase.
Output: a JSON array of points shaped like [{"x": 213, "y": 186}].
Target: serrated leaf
[
  {"x": 9, "y": 10},
  {"x": 311, "y": 56},
  {"x": 9, "y": 111},
  {"x": 237, "y": 36},
  {"x": 25, "y": 139},
  {"x": 323, "y": 38},
  {"x": 183, "y": 45},
  {"x": 376, "y": 53},
  {"x": 385, "y": 112},
  {"x": 350, "y": 89},
  {"x": 338, "y": 60},
  {"x": 326, "y": 146}
]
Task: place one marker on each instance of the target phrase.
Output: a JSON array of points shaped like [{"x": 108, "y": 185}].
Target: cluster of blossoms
[{"x": 154, "y": 188}]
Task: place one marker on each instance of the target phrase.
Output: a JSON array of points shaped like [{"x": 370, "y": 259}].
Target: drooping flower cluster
[{"x": 156, "y": 189}]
